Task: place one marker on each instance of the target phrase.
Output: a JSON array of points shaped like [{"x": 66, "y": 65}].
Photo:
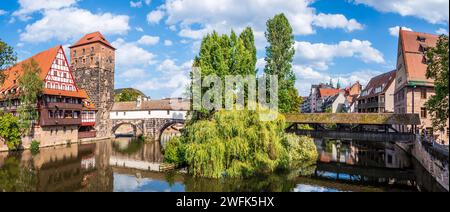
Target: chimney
[{"x": 139, "y": 102}]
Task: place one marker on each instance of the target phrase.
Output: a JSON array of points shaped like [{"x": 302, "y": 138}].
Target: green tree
[
  {"x": 31, "y": 86},
  {"x": 10, "y": 131},
  {"x": 7, "y": 58},
  {"x": 437, "y": 70},
  {"x": 279, "y": 57},
  {"x": 127, "y": 95},
  {"x": 224, "y": 55},
  {"x": 248, "y": 40}
]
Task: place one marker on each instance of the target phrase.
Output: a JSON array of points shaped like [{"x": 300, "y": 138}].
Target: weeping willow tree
[{"x": 237, "y": 144}]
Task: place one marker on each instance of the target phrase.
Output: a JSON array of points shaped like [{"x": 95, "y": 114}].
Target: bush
[
  {"x": 235, "y": 144},
  {"x": 10, "y": 131},
  {"x": 301, "y": 149},
  {"x": 35, "y": 147},
  {"x": 174, "y": 152}
]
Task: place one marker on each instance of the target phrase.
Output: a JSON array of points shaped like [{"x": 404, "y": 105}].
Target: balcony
[
  {"x": 371, "y": 105},
  {"x": 63, "y": 105},
  {"x": 59, "y": 122},
  {"x": 87, "y": 134}
]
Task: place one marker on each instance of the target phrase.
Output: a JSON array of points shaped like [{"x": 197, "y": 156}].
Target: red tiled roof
[
  {"x": 44, "y": 60},
  {"x": 92, "y": 38},
  {"x": 325, "y": 92},
  {"x": 384, "y": 80},
  {"x": 415, "y": 68}
]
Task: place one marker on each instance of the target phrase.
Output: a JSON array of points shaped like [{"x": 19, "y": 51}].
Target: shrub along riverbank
[{"x": 237, "y": 144}]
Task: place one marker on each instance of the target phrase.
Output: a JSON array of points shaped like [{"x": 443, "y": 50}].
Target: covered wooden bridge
[{"x": 357, "y": 126}]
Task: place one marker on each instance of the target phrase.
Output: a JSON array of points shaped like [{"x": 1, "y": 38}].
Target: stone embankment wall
[{"x": 434, "y": 158}]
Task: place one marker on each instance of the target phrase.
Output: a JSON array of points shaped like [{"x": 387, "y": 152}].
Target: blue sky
[{"x": 157, "y": 39}]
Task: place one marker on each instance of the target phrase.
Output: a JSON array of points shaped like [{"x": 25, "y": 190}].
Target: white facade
[
  {"x": 339, "y": 103},
  {"x": 148, "y": 114}
]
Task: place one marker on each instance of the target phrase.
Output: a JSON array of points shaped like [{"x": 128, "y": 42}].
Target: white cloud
[
  {"x": 197, "y": 17},
  {"x": 2, "y": 12},
  {"x": 148, "y": 2},
  {"x": 132, "y": 74},
  {"x": 168, "y": 43},
  {"x": 131, "y": 55},
  {"x": 394, "y": 31},
  {"x": 334, "y": 21},
  {"x": 306, "y": 76},
  {"x": 28, "y": 7},
  {"x": 139, "y": 29},
  {"x": 261, "y": 63},
  {"x": 155, "y": 17},
  {"x": 433, "y": 11},
  {"x": 174, "y": 77},
  {"x": 320, "y": 55},
  {"x": 442, "y": 31},
  {"x": 148, "y": 40},
  {"x": 71, "y": 23},
  {"x": 136, "y": 4}
]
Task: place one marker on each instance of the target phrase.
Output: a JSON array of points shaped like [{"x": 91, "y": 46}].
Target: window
[
  {"x": 92, "y": 60},
  {"x": 65, "y": 75},
  {"x": 92, "y": 49},
  {"x": 423, "y": 112},
  {"x": 390, "y": 159},
  {"x": 76, "y": 61},
  {"x": 55, "y": 73},
  {"x": 421, "y": 39},
  {"x": 74, "y": 53},
  {"x": 84, "y": 61},
  {"x": 423, "y": 93},
  {"x": 168, "y": 112},
  {"x": 124, "y": 113},
  {"x": 84, "y": 51}
]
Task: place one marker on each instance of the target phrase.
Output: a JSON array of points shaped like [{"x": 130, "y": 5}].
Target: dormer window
[{"x": 421, "y": 39}]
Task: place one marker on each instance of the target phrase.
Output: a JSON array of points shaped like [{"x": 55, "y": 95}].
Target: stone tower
[{"x": 92, "y": 61}]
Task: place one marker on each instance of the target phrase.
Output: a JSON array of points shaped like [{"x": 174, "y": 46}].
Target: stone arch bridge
[{"x": 149, "y": 117}]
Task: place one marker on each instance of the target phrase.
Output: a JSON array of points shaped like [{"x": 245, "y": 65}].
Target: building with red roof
[
  {"x": 413, "y": 88},
  {"x": 378, "y": 95},
  {"x": 60, "y": 104}
]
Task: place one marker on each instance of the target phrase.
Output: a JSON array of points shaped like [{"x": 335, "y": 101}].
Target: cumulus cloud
[
  {"x": 155, "y": 17},
  {"x": 174, "y": 77},
  {"x": 335, "y": 21},
  {"x": 71, "y": 23},
  {"x": 195, "y": 18},
  {"x": 2, "y": 12},
  {"x": 320, "y": 55},
  {"x": 433, "y": 11},
  {"x": 394, "y": 31},
  {"x": 168, "y": 43},
  {"x": 28, "y": 7},
  {"x": 130, "y": 54},
  {"x": 306, "y": 76},
  {"x": 148, "y": 40}
]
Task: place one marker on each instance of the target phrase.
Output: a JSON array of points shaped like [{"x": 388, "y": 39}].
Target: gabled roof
[
  {"x": 92, "y": 38},
  {"x": 413, "y": 44},
  {"x": 325, "y": 92},
  {"x": 384, "y": 81},
  {"x": 44, "y": 60}
]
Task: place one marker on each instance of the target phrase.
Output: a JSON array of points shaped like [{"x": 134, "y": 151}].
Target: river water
[{"x": 116, "y": 165}]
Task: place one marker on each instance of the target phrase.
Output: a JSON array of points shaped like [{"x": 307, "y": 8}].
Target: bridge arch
[
  {"x": 136, "y": 126},
  {"x": 162, "y": 138}
]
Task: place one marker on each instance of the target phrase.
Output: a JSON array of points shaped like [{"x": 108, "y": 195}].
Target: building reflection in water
[{"x": 128, "y": 165}]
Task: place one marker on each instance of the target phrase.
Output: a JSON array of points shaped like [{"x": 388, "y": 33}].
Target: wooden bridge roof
[{"x": 354, "y": 118}]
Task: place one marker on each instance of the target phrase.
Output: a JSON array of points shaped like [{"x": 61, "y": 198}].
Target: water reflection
[{"x": 125, "y": 164}]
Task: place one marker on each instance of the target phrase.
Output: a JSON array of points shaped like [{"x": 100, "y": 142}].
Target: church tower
[{"x": 92, "y": 60}]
